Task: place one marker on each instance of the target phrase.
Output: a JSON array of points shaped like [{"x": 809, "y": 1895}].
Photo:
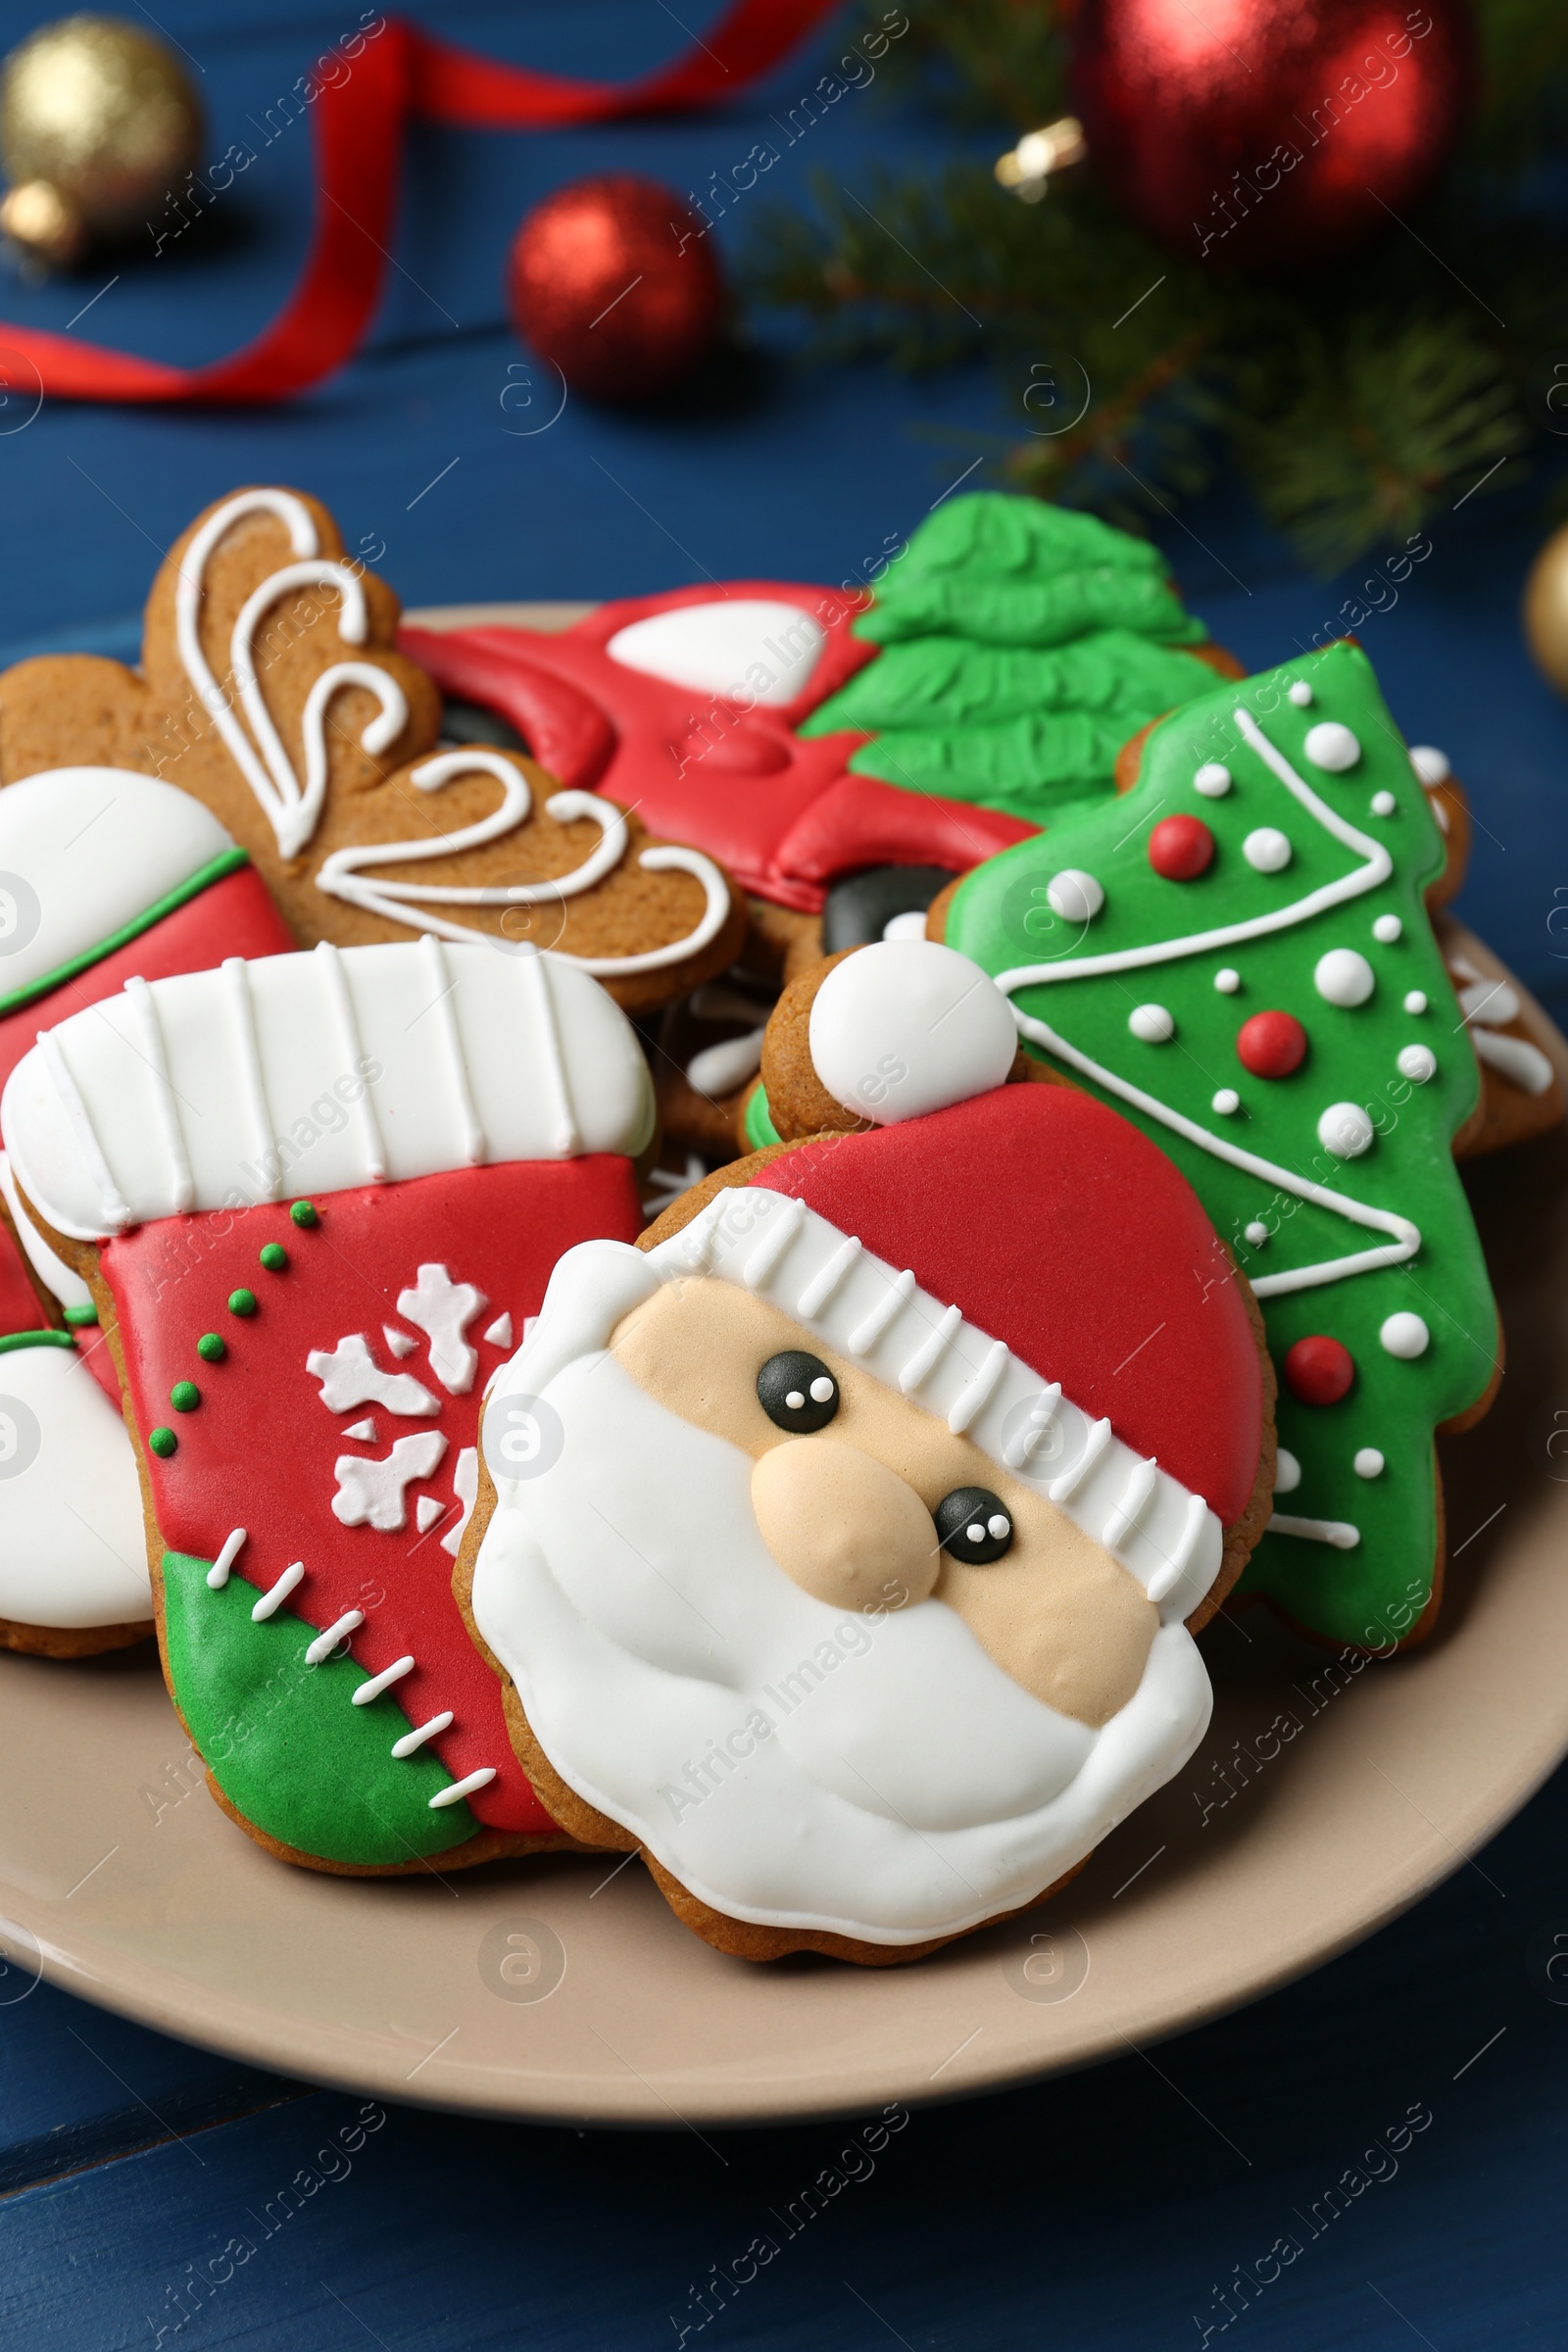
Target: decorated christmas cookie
[
  {"x": 1521, "y": 1093},
  {"x": 1237, "y": 954},
  {"x": 803, "y": 735},
  {"x": 316, "y": 1199},
  {"x": 73, "y": 1562},
  {"x": 272, "y": 692},
  {"x": 103, "y": 875},
  {"x": 841, "y": 1546}
]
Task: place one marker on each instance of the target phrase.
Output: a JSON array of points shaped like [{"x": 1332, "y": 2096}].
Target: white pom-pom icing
[{"x": 907, "y": 1026}]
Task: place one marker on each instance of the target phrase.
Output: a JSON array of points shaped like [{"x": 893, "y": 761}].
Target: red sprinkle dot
[
  {"x": 1181, "y": 848},
  {"x": 1271, "y": 1045},
  {"x": 1319, "y": 1370}
]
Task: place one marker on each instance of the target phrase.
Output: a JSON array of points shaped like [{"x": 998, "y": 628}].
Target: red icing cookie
[{"x": 697, "y": 759}]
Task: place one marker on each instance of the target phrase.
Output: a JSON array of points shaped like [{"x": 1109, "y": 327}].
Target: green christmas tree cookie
[
  {"x": 1022, "y": 644},
  {"x": 1237, "y": 954}
]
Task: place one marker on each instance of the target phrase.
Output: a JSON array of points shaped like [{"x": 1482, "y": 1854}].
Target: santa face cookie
[
  {"x": 803, "y": 735},
  {"x": 316, "y": 1199},
  {"x": 1237, "y": 953},
  {"x": 842, "y": 1547},
  {"x": 272, "y": 692}
]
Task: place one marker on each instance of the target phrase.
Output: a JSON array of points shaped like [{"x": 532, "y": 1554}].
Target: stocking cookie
[
  {"x": 841, "y": 1546},
  {"x": 272, "y": 692},
  {"x": 316, "y": 1199},
  {"x": 805, "y": 735},
  {"x": 1237, "y": 953}
]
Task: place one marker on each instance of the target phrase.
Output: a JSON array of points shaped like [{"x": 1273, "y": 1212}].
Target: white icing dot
[
  {"x": 1430, "y": 764},
  {"x": 1151, "y": 1022},
  {"x": 1300, "y": 694},
  {"x": 1227, "y": 981},
  {"x": 1405, "y": 1335},
  {"x": 1344, "y": 976},
  {"x": 1418, "y": 1062},
  {"x": 1227, "y": 1101},
  {"x": 1368, "y": 1462},
  {"x": 822, "y": 1389},
  {"x": 1212, "y": 780},
  {"x": 1256, "y": 1234},
  {"x": 795, "y": 1400},
  {"x": 997, "y": 1526},
  {"x": 1074, "y": 895},
  {"x": 1415, "y": 999},
  {"x": 1384, "y": 804},
  {"x": 976, "y": 1534},
  {"x": 1388, "y": 928},
  {"x": 1287, "y": 1472},
  {"x": 1267, "y": 850},
  {"x": 1345, "y": 1130},
  {"x": 1331, "y": 744},
  {"x": 908, "y": 925}
]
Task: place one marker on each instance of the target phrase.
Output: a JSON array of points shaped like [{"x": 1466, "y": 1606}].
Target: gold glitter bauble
[
  {"x": 98, "y": 124},
  {"x": 1546, "y": 610}
]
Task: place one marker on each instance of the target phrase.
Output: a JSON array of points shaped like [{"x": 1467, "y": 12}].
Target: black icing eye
[
  {"x": 973, "y": 1525},
  {"x": 798, "y": 1392}
]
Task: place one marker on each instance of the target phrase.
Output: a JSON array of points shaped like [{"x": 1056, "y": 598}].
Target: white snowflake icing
[
  {"x": 440, "y": 1307},
  {"x": 426, "y": 1511},
  {"x": 373, "y": 1493},
  {"x": 350, "y": 1375}
]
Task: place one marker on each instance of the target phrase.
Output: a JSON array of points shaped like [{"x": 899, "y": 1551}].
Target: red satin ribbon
[{"x": 359, "y": 125}]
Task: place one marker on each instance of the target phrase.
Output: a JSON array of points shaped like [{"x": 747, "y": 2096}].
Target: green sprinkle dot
[
  {"x": 211, "y": 1349},
  {"x": 184, "y": 1395},
  {"x": 303, "y": 1212},
  {"x": 242, "y": 1302},
  {"x": 275, "y": 1258},
  {"x": 163, "y": 1441}
]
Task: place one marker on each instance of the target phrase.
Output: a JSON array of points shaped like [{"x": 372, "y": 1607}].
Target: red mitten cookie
[
  {"x": 303, "y": 1375},
  {"x": 842, "y": 1546},
  {"x": 271, "y": 689}
]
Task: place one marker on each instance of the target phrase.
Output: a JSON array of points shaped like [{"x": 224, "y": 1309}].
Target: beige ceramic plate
[{"x": 566, "y": 1990}]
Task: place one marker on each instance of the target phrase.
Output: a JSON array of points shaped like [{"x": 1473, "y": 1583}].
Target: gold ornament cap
[{"x": 98, "y": 122}]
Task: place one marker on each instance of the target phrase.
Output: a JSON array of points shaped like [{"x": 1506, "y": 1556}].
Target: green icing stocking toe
[{"x": 283, "y": 1738}]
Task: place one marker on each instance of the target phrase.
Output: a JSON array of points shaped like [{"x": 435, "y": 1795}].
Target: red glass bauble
[
  {"x": 1271, "y": 1045},
  {"x": 1267, "y": 134},
  {"x": 614, "y": 281},
  {"x": 1181, "y": 848},
  {"x": 1319, "y": 1370}
]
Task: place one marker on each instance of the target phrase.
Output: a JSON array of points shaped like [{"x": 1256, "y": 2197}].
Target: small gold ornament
[
  {"x": 1027, "y": 168},
  {"x": 1546, "y": 610},
  {"x": 98, "y": 122}
]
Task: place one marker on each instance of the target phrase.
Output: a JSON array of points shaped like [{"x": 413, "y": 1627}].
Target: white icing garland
[{"x": 1378, "y": 867}]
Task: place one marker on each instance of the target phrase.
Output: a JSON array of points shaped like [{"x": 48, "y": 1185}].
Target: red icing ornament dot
[
  {"x": 1319, "y": 1370},
  {"x": 1271, "y": 1045},
  {"x": 1181, "y": 848}
]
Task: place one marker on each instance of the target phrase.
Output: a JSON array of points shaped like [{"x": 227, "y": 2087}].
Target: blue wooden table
[{"x": 1402, "y": 2118}]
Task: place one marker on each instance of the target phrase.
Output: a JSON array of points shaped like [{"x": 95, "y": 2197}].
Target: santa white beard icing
[{"x": 879, "y": 1645}]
